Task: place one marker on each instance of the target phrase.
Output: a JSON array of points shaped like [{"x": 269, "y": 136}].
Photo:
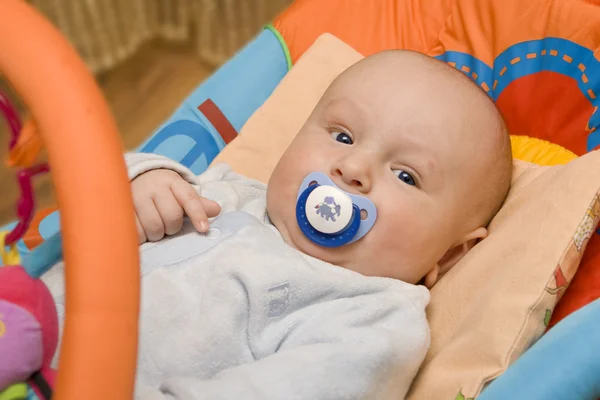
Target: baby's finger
[
  {"x": 140, "y": 230},
  {"x": 190, "y": 200},
  {"x": 150, "y": 220},
  {"x": 170, "y": 212},
  {"x": 212, "y": 208}
]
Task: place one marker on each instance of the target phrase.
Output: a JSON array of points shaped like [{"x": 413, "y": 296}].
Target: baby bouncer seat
[{"x": 539, "y": 61}]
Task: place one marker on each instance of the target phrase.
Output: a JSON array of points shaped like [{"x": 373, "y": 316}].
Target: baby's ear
[{"x": 454, "y": 255}]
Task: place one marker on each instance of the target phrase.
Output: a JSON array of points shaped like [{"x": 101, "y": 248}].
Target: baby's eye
[
  {"x": 342, "y": 137},
  {"x": 405, "y": 177}
]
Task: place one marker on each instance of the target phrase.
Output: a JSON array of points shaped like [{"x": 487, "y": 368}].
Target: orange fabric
[
  {"x": 585, "y": 286},
  {"x": 544, "y": 88},
  {"x": 32, "y": 238},
  {"x": 481, "y": 29},
  {"x": 512, "y": 21},
  {"x": 514, "y": 42},
  {"x": 99, "y": 348},
  {"x": 369, "y": 26}
]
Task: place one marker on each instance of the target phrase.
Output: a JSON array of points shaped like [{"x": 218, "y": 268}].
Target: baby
[{"x": 258, "y": 303}]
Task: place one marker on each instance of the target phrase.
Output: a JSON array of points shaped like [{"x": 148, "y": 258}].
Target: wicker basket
[{"x": 105, "y": 32}]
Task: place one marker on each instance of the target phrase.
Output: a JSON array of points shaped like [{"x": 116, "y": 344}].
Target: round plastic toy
[{"x": 99, "y": 348}]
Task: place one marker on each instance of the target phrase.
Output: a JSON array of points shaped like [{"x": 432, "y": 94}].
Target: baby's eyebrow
[
  {"x": 431, "y": 166},
  {"x": 343, "y": 108}
]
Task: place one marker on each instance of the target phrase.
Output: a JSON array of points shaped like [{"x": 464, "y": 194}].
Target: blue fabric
[
  {"x": 238, "y": 88},
  {"x": 563, "y": 365},
  {"x": 48, "y": 253},
  {"x": 31, "y": 394}
]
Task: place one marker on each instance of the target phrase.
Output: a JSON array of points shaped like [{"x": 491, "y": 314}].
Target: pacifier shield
[{"x": 330, "y": 216}]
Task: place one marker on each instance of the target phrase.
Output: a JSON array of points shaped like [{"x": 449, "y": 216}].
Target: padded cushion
[
  {"x": 564, "y": 353},
  {"x": 538, "y": 60},
  {"x": 488, "y": 309}
]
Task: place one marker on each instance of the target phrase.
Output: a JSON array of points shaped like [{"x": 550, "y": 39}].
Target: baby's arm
[
  {"x": 154, "y": 174},
  {"x": 164, "y": 192},
  {"x": 348, "y": 348},
  {"x": 161, "y": 199}
]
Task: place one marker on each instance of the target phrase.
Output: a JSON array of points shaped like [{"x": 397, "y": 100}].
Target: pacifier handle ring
[{"x": 99, "y": 345}]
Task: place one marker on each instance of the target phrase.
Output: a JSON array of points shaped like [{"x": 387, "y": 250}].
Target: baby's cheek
[
  {"x": 395, "y": 242},
  {"x": 281, "y": 200},
  {"x": 401, "y": 232},
  {"x": 390, "y": 257},
  {"x": 399, "y": 219}
]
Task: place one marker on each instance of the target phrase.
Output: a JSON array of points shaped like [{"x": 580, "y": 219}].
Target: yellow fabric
[
  {"x": 14, "y": 392},
  {"x": 494, "y": 304},
  {"x": 10, "y": 256},
  {"x": 540, "y": 152}
]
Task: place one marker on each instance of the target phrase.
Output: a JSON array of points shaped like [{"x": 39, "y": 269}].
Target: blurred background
[{"x": 147, "y": 56}]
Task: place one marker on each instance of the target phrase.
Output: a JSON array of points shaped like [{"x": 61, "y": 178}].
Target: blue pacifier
[{"x": 330, "y": 216}]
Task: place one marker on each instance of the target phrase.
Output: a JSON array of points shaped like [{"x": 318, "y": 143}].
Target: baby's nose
[{"x": 354, "y": 176}]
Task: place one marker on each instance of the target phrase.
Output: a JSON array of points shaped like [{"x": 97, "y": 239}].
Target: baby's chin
[
  {"x": 293, "y": 236},
  {"x": 284, "y": 219}
]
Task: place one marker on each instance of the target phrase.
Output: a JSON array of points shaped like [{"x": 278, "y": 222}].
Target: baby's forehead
[
  {"x": 411, "y": 93},
  {"x": 393, "y": 70},
  {"x": 395, "y": 129},
  {"x": 382, "y": 110}
]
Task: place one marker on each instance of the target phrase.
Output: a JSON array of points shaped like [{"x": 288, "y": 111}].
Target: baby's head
[{"x": 423, "y": 143}]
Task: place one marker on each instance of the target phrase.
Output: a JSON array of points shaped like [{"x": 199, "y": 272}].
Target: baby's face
[{"x": 397, "y": 143}]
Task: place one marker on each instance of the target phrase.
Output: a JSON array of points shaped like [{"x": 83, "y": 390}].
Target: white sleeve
[
  {"x": 139, "y": 163},
  {"x": 333, "y": 355},
  {"x": 232, "y": 191}
]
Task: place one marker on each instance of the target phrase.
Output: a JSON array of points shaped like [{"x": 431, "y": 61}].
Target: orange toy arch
[{"x": 99, "y": 349}]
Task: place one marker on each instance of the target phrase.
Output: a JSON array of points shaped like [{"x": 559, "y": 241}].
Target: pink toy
[
  {"x": 28, "y": 320},
  {"x": 28, "y": 331}
]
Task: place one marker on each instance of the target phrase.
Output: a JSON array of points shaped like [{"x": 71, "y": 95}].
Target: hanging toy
[
  {"x": 28, "y": 319},
  {"x": 330, "y": 216},
  {"x": 28, "y": 331},
  {"x": 25, "y": 150},
  {"x": 98, "y": 361}
]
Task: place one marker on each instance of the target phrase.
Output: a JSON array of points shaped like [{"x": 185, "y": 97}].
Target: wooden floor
[{"x": 142, "y": 93}]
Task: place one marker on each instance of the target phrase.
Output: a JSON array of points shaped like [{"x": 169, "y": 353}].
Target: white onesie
[{"x": 238, "y": 314}]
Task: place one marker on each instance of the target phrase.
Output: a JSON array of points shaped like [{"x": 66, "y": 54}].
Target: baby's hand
[{"x": 161, "y": 198}]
